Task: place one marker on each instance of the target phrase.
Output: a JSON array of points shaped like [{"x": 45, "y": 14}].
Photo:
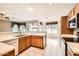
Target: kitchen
[{"x": 34, "y": 32}]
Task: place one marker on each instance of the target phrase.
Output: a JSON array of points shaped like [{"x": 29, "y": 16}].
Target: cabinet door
[
  {"x": 40, "y": 42},
  {"x": 76, "y": 8},
  {"x": 28, "y": 42},
  {"x": 37, "y": 41},
  {"x": 33, "y": 41},
  {"x": 21, "y": 44}
]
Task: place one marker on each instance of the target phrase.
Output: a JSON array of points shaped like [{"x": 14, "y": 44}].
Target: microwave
[{"x": 74, "y": 22}]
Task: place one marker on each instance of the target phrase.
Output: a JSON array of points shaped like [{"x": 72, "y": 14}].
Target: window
[
  {"x": 52, "y": 28},
  {"x": 15, "y": 28},
  {"x": 33, "y": 26},
  {"x": 22, "y": 28},
  {"x": 49, "y": 29},
  {"x": 18, "y": 27}
]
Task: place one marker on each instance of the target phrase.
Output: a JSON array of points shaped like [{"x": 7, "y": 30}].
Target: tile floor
[{"x": 55, "y": 47}]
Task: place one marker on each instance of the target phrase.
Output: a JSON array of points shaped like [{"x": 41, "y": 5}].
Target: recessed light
[{"x": 30, "y": 9}]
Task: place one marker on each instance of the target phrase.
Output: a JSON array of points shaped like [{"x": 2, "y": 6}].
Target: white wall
[{"x": 5, "y": 26}]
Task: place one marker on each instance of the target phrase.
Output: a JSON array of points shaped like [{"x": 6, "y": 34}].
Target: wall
[{"x": 5, "y": 26}]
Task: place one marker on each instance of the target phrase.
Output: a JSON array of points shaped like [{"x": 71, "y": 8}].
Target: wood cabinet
[
  {"x": 37, "y": 41},
  {"x": 73, "y": 16},
  {"x": 28, "y": 42},
  {"x": 73, "y": 11},
  {"x": 11, "y": 53},
  {"x": 22, "y": 43},
  {"x": 73, "y": 22},
  {"x": 32, "y": 40},
  {"x": 76, "y": 8},
  {"x": 64, "y": 28}
]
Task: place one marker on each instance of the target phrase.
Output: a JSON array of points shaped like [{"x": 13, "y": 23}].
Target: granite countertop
[
  {"x": 74, "y": 47},
  {"x": 4, "y": 48},
  {"x": 68, "y": 36}
]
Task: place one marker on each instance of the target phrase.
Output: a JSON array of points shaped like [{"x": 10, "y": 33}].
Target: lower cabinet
[
  {"x": 37, "y": 41},
  {"x": 22, "y": 42},
  {"x": 28, "y": 42},
  {"x": 33, "y": 41}
]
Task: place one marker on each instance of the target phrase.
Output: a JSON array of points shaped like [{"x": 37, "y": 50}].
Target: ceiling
[{"x": 21, "y": 11}]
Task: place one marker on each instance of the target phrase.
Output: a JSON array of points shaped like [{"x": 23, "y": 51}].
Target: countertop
[
  {"x": 68, "y": 36},
  {"x": 37, "y": 34},
  {"x": 74, "y": 47},
  {"x": 11, "y": 37},
  {"x": 7, "y": 37},
  {"x": 4, "y": 48}
]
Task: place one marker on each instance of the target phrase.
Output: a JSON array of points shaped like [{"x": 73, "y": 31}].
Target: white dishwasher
[{"x": 13, "y": 42}]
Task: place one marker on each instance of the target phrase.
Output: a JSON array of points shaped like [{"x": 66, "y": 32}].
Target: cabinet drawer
[{"x": 22, "y": 42}]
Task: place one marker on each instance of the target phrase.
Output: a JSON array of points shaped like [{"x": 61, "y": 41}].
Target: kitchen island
[
  {"x": 24, "y": 41},
  {"x": 37, "y": 40}
]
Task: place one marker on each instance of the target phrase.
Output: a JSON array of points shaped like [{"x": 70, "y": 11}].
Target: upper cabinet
[
  {"x": 73, "y": 17},
  {"x": 76, "y": 8},
  {"x": 73, "y": 11}
]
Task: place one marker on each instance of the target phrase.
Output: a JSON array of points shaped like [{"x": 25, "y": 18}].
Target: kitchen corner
[{"x": 15, "y": 40}]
